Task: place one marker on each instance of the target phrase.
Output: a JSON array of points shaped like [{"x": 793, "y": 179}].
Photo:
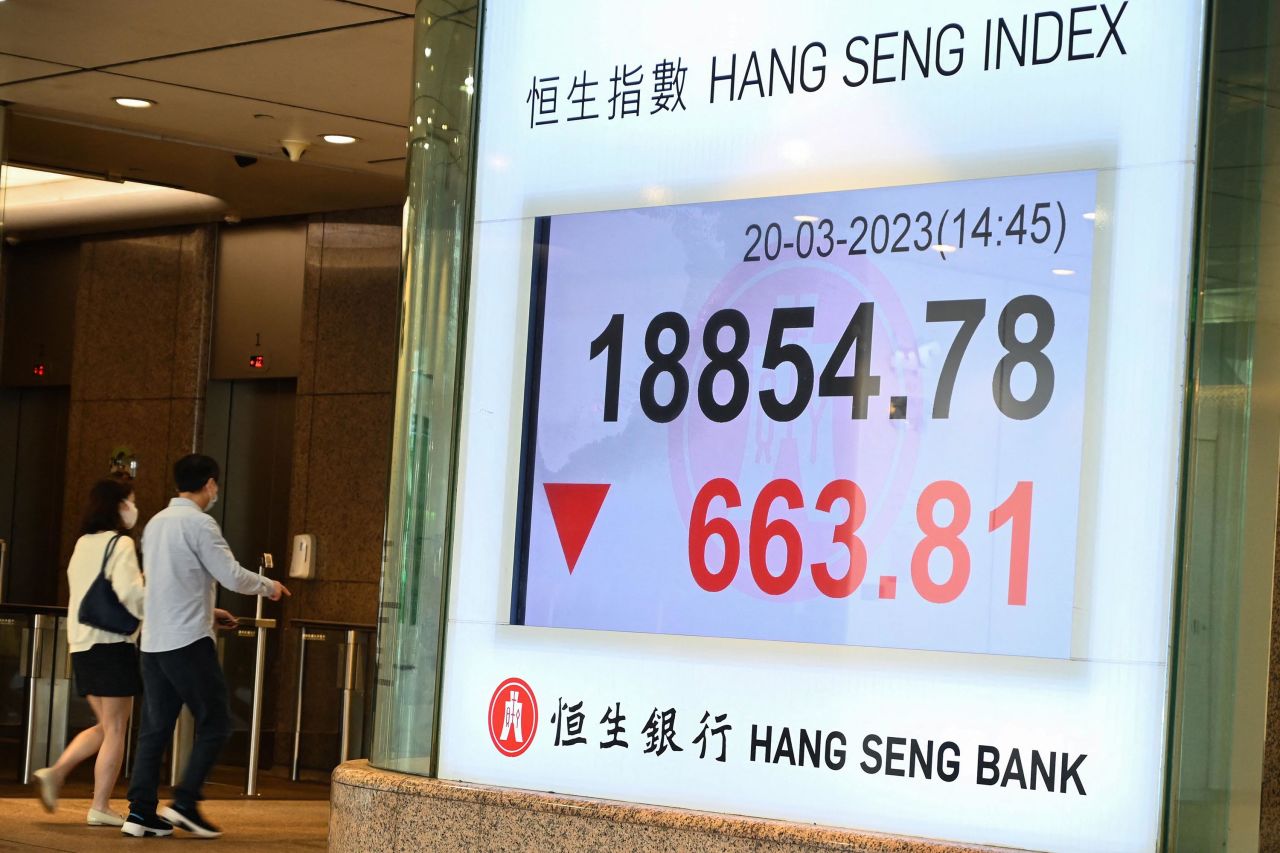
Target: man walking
[{"x": 184, "y": 554}]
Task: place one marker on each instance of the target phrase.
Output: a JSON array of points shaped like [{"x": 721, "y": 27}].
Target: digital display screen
[{"x": 846, "y": 417}]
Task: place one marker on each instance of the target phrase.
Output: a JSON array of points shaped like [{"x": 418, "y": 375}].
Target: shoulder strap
[{"x": 106, "y": 557}]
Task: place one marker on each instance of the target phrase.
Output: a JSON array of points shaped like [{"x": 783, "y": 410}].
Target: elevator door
[
  {"x": 249, "y": 430},
  {"x": 33, "y": 453}
]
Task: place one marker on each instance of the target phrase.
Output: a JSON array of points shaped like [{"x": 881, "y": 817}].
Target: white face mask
[{"x": 129, "y": 515}]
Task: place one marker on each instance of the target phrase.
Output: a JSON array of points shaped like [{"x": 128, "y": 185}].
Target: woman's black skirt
[{"x": 107, "y": 669}]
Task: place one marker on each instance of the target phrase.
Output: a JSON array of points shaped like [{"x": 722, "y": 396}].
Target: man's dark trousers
[{"x": 188, "y": 676}]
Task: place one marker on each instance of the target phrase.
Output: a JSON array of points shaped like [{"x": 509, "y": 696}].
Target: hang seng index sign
[{"x": 848, "y": 417}]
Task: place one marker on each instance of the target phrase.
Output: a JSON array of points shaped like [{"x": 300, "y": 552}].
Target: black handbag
[{"x": 101, "y": 608}]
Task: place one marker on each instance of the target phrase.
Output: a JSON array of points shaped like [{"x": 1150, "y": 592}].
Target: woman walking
[{"x": 105, "y": 664}]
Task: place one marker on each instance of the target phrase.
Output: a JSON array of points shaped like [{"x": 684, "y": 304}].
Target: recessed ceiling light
[
  {"x": 944, "y": 248},
  {"x": 339, "y": 139},
  {"x": 133, "y": 103},
  {"x": 1091, "y": 215},
  {"x": 804, "y": 217},
  {"x": 1063, "y": 271}
]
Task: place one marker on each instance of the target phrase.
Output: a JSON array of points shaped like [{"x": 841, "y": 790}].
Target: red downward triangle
[{"x": 574, "y": 509}]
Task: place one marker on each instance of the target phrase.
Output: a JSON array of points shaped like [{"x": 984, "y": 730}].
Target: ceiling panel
[
  {"x": 205, "y": 118},
  {"x": 361, "y": 71},
  {"x": 19, "y": 68},
  {"x": 272, "y": 187},
  {"x": 90, "y": 33}
]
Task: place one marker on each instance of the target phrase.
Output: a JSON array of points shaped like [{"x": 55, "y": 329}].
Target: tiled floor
[
  {"x": 269, "y": 826},
  {"x": 225, "y": 783}
]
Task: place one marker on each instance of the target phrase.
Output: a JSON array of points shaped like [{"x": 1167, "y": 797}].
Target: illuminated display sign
[{"x": 822, "y": 412}]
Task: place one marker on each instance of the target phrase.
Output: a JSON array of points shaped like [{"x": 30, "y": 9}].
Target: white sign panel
[{"x": 625, "y": 155}]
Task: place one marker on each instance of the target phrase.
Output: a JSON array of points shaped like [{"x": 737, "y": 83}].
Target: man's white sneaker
[
  {"x": 47, "y": 787},
  {"x": 140, "y": 826},
  {"x": 190, "y": 819}
]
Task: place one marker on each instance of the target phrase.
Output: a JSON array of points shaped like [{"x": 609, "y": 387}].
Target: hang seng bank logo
[{"x": 513, "y": 717}]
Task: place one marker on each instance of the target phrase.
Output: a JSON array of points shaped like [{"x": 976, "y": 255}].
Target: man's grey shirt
[{"x": 183, "y": 555}]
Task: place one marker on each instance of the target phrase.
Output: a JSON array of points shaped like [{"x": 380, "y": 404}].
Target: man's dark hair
[
  {"x": 103, "y": 510},
  {"x": 190, "y": 473}
]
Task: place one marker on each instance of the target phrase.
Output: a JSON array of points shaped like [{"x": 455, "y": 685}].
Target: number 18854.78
[{"x": 667, "y": 338}]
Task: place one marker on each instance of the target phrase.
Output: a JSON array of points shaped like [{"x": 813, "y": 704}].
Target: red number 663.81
[{"x": 1016, "y": 510}]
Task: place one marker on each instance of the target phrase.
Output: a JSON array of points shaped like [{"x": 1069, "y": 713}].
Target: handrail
[
  {"x": 327, "y": 623},
  {"x": 32, "y": 609}
]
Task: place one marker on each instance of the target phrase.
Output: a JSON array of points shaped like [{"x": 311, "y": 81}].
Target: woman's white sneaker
[
  {"x": 46, "y": 788},
  {"x": 101, "y": 818}
]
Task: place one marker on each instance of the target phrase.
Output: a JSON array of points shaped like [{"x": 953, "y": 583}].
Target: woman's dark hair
[
  {"x": 103, "y": 512},
  {"x": 190, "y": 473}
]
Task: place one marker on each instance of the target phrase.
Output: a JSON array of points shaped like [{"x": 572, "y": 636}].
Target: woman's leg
[
  {"x": 81, "y": 747},
  {"x": 113, "y": 718}
]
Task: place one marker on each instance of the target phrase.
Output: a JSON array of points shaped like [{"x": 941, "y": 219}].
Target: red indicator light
[
  {"x": 38, "y": 370},
  {"x": 257, "y": 362}
]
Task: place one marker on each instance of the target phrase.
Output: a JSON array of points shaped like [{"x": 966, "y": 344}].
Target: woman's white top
[{"x": 125, "y": 577}]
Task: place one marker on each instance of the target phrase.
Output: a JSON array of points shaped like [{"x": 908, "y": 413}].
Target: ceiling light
[
  {"x": 804, "y": 217},
  {"x": 444, "y": 127},
  {"x": 944, "y": 248},
  {"x": 339, "y": 139},
  {"x": 1063, "y": 271},
  {"x": 133, "y": 103},
  {"x": 1091, "y": 215},
  {"x": 426, "y": 51}
]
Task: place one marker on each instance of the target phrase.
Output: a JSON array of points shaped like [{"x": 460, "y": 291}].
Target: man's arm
[
  {"x": 216, "y": 557},
  {"x": 224, "y": 620}
]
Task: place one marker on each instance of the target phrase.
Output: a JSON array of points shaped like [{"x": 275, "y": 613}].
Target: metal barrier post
[
  {"x": 38, "y": 660},
  {"x": 183, "y": 738},
  {"x": 61, "y": 693},
  {"x": 297, "y": 717},
  {"x": 348, "y": 688},
  {"x": 259, "y": 664}
]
